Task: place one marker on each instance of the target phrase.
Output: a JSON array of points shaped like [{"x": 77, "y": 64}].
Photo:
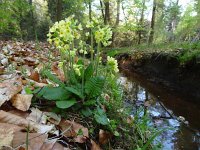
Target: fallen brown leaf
[
  {"x": 30, "y": 61},
  {"x": 58, "y": 146},
  {"x": 19, "y": 113},
  {"x": 22, "y": 101},
  {"x": 8, "y": 88},
  {"x": 35, "y": 76},
  {"x": 35, "y": 140},
  {"x": 58, "y": 71},
  {"x": 37, "y": 116},
  {"x": 36, "y": 84},
  {"x": 6, "y": 137},
  {"x": 48, "y": 145},
  {"x": 95, "y": 146},
  {"x": 7, "y": 133},
  {"x": 6, "y": 117},
  {"x": 53, "y": 118},
  {"x": 104, "y": 137},
  {"x": 71, "y": 129},
  {"x": 2, "y": 69}
]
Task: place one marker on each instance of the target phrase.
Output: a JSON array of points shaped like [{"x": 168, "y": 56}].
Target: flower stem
[
  {"x": 92, "y": 47},
  {"x": 98, "y": 56},
  {"x": 64, "y": 64},
  {"x": 83, "y": 76}
]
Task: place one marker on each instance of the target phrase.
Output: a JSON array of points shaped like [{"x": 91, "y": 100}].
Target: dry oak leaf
[
  {"x": 7, "y": 117},
  {"x": 30, "y": 61},
  {"x": 52, "y": 145},
  {"x": 37, "y": 116},
  {"x": 8, "y": 88},
  {"x": 7, "y": 133},
  {"x": 2, "y": 69},
  {"x": 71, "y": 129},
  {"x": 95, "y": 146},
  {"x": 53, "y": 118},
  {"x": 36, "y": 84},
  {"x": 6, "y": 137},
  {"x": 58, "y": 71},
  {"x": 22, "y": 101},
  {"x": 39, "y": 67},
  {"x": 35, "y": 76},
  {"x": 58, "y": 146},
  {"x": 35, "y": 140},
  {"x": 104, "y": 137},
  {"x": 19, "y": 113}
]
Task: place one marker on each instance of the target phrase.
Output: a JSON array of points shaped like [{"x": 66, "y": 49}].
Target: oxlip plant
[{"x": 85, "y": 79}]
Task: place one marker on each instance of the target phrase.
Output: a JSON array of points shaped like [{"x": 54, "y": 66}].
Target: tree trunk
[
  {"x": 151, "y": 36},
  {"x": 175, "y": 21},
  {"x": 101, "y": 4},
  {"x": 118, "y": 12},
  {"x": 141, "y": 22},
  {"x": 90, "y": 10},
  {"x": 116, "y": 23},
  {"x": 107, "y": 12},
  {"x": 59, "y": 10},
  {"x": 173, "y": 24},
  {"x": 90, "y": 19}
]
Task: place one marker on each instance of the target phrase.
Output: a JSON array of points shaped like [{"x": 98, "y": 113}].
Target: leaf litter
[{"x": 24, "y": 126}]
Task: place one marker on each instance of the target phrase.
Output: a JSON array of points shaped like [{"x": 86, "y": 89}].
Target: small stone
[
  {"x": 5, "y": 50},
  {"x": 4, "y": 61},
  {"x": 186, "y": 123},
  {"x": 181, "y": 118}
]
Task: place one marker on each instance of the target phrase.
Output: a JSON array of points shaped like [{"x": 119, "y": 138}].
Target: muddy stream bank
[{"x": 167, "y": 104}]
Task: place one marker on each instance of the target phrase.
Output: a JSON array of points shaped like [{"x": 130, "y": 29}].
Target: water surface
[{"x": 167, "y": 109}]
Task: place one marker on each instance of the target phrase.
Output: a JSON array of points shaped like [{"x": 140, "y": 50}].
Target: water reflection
[{"x": 182, "y": 137}]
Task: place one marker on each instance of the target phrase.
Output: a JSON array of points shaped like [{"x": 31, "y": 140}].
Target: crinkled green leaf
[
  {"x": 116, "y": 133},
  {"x": 65, "y": 104},
  {"x": 86, "y": 112},
  {"x": 54, "y": 93},
  {"x": 101, "y": 117},
  {"x": 72, "y": 77},
  {"x": 89, "y": 72},
  {"x": 94, "y": 86},
  {"x": 74, "y": 91},
  {"x": 53, "y": 78},
  {"x": 89, "y": 102}
]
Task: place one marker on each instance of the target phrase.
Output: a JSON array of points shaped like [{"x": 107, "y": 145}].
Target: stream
[{"x": 166, "y": 109}]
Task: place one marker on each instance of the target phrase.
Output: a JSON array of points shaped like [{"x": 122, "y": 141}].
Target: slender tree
[
  {"x": 141, "y": 22},
  {"x": 107, "y": 12},
  {"x": 160, "y": 21},
  {"x": 32, "y": 17},
  {"x": 151, "y": 36},
  {"x": 173, "y": 19},
  {"x": 102, "y": 9},
  {"x": 116, "y": 22},
  {"x": 197, "y": 7},
  {"x": 90, "y": 9},
  {"x": 118, "y": 12},
  {"x": 58, "y": 10}
]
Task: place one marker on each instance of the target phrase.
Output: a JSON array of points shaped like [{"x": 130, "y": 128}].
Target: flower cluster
[
  {"x": 103, "y": 35},
  {"x": 66, "y": 36},
  {"x": 77, "y": 68},
  {"x": 112, "y": 64},
  {"x": 64, "y": 32}
]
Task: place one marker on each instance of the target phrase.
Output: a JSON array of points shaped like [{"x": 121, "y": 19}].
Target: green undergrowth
[
  {"x": 90, "y": 92},
  {"x": 184, "y": 52},
  {"x": 127, "y": 132}
]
